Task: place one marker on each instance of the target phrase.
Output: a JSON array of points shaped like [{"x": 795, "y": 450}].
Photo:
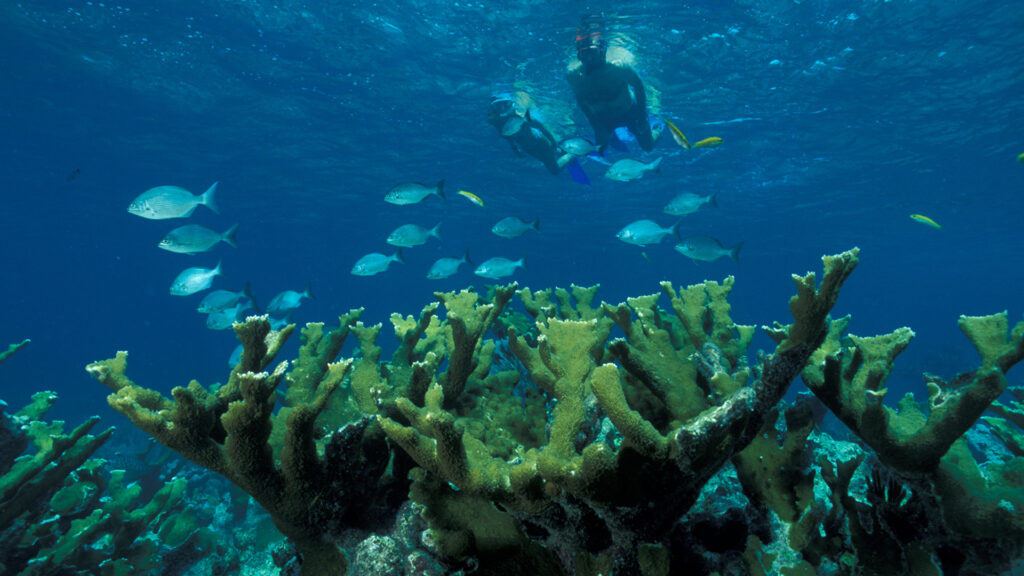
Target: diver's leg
[
  {"x": 640, "y": 126},
  {"x": 551, "y": 164},
  {"x": 602, "y": 136}
]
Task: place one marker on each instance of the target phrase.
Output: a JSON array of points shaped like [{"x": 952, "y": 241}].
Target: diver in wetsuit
[
  {"x": 526, "y": 135},
  {"x": 610, "y": 94}
]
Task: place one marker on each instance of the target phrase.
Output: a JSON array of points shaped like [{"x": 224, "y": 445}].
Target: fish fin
[
  {"x": 397, "y": 256},
  {"x": 536, "y": 224},
  {"x": 228, "y": 237},
  {"x": 713, "y": 200},
  {"x": 440, "y": 188},
  {"x": 656, "y": 165},
  {"x": 468, "y": 261},
  {"x": 208, "y": 200},
  {"x": 252, "y": 299},
  {"x": 522, "y": 263},
  {"x": 216, "y": 269},
  {"x": 675, "y": 230},
  {"x": 577, "y": 173},
  {"x": 308, "y": 293},
  {"x": 734, "y": 253},
  {"x": 436, "y": 231}
]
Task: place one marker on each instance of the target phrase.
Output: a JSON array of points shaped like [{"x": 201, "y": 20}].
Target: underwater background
[{"x": 840, "y": 119}]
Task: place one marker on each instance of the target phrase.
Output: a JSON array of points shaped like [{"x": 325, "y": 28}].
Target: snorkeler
[
  {"x": 610, "y": 94},
  {"x": 525, "y": 134}
]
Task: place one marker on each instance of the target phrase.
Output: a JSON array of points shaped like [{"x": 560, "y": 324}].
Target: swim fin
[{"x": 577, "y": 173}]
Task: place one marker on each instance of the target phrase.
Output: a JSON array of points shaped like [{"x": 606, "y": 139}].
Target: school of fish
[{"x": 222, "y": 307}]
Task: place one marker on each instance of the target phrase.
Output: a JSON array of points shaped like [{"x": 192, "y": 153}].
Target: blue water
[{"x": 839, "y": 119}]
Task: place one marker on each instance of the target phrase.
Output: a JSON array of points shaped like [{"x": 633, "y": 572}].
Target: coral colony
[{"x": 577, "y": 438}]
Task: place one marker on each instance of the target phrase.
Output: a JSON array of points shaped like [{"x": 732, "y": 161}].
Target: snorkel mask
[{"x": 590, "y": 45}]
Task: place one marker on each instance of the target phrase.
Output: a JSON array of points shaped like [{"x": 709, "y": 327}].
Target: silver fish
[
  {"x": 511, "y": 227},
  {"x": 445, "y": 267},
  {"x": 688, "y": 203},
  {"x": 411, "y": 235},
  {"x": 193, "y": 238},
  {"x": 223, "y": 299},
  {"x": 707, "y": 249},
  {"x": 627, "y": 169},
  {"x": 192, "y": 280},
  {"x": 498, "y": 267},
  {"x": 513, "y": 125},
  {"x": 236, "y": 356},
  {"x": 644, "y": 232},
  {"x": 577, "y": 146},
  {"x": 279, "y": 323},
  {"x": 413, "y": 192},
  {"x": 289, "y": 300},
  {"x": 375, "y": 263},
  {"x": 224, "y": 319},
  {"x": 165, "y": 202}
]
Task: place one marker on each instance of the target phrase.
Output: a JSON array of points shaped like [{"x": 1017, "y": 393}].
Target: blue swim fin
[{"x": 577, "y": 173}]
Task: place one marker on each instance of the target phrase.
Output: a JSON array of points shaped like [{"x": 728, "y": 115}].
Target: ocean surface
[{"x": 839, "y": 119}]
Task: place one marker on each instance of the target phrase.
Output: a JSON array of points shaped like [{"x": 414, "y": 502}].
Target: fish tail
[
  {"x": 440, "y": 188},
  {"x": 734, "y": 253},
  {"x": 216, "y": 270},
  {"x": 308, "y": 293},
  {"x": 656, "y": 165},
  {"x": 208, "y": 200},
  {"x": 536, "y": 224},
  {"x": 675, "y": 229},
  {"x": 436, "y": 231},
  {"x": 397, "y": 256},
  {"x": 466, "y": 259},
  {"x": 713, "y": 200},
  {"x": 228, "y": 237},
  {"x": 252, "y": 299},
  {"x": 522, "y": 263}
]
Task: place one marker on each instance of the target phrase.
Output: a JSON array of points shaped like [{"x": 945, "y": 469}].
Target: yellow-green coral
[
  {"x": 228, "y": 432},
  {"x": 850, "y": 382},
  {"x": 12, "y": 349},
  {"x": 587, "y": 476}
]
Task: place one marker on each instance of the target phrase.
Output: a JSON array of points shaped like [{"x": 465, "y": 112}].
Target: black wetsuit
[{"x": 530, "y": 137}]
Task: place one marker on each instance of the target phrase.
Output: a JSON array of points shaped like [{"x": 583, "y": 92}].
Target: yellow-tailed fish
[
  {"x": 926, "y": 220},
  {"x": 1020, "y": 157},
  {"x": 677, "y": 135},
  {"x": 708, "y": 142},
  {"x": 472, "y": 198}
]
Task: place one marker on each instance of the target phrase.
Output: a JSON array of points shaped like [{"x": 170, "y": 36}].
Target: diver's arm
[
  {"x": 633, "y": 79},
  {"x": 533, "y": 122}
]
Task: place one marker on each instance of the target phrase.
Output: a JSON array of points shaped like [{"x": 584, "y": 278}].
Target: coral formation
[
  {"x": 12, "y": 349},
  {"x": 556, "y": 447},
  {"x": 227, "y": 430},
  {"x": 62, "y": 513}
]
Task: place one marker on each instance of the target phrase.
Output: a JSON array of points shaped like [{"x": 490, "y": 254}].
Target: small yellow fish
[
  {"x": 677, "y": 135},
  {"x": 1020, "y": 158},
  {"x": 646, "y": 257},
  {"x": 708, "y": 142},
  {"x": 926, "y": 220},
  {"x": 472, "y": 198}
]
